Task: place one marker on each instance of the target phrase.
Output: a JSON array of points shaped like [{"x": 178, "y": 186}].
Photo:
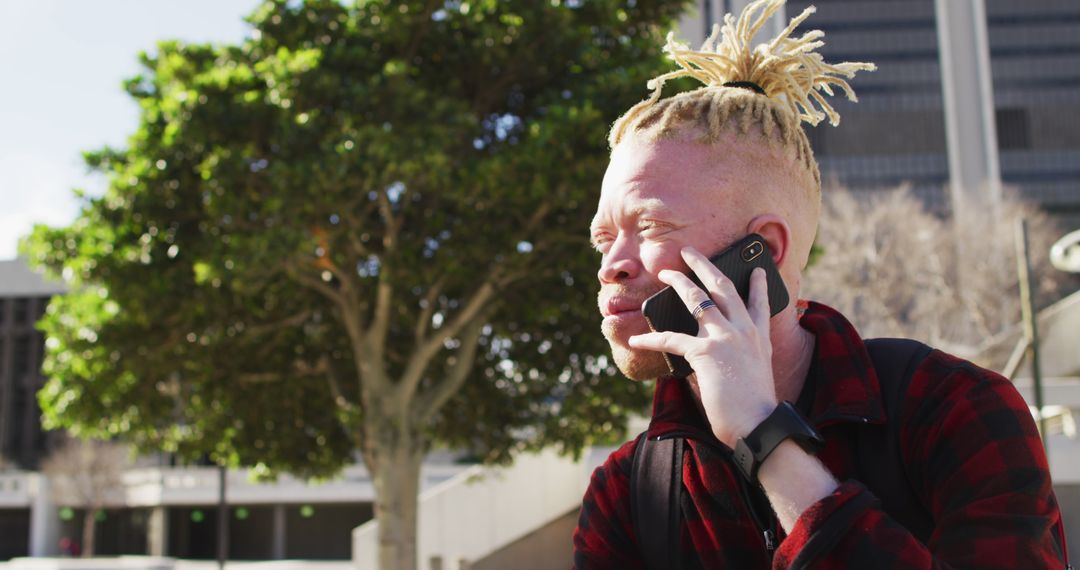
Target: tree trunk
[
  {"x": 88, "y": 532},
  {"x": 396, "y": 477}
]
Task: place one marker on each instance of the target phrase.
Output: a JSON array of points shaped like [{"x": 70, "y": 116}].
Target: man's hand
[
  {"x": 732, "y": 360},
  {"x": 732, "y": 353}
]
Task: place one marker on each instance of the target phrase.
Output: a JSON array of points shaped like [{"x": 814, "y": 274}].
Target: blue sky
[{"x": 63, "y": 63}]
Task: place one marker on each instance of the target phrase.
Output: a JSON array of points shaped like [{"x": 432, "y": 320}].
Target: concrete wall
[
  {"x": 550, "y": 547},
  {"x": 1069, "y": 498},
  {"x": 485, "y": 509},
  {"x": 547, "y": 548}
]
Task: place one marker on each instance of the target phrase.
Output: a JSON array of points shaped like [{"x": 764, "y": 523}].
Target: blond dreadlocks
[{"x": 773, "y": 86}]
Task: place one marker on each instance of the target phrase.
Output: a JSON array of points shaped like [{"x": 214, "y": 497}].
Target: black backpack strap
[
  {"x": 655, "y": 498},
  {"x": 881, "y": 462}
]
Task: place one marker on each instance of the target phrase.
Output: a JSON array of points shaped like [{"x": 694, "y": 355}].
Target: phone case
[{"x": 666, "y": 311}]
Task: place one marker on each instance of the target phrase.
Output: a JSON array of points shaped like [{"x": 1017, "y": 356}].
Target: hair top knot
[{"x": 786, "y": 69}]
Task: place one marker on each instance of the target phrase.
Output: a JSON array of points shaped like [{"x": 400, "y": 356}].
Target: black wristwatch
[{"x": 784, "y": 422}]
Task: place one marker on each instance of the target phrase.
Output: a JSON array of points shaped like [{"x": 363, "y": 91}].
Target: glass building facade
[
  {"x": 896, "y": 133},
  {"x": 1035, "y": 56}
]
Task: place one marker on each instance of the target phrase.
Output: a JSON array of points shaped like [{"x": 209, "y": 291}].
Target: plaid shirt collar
[{"x": 847, "y": 389}]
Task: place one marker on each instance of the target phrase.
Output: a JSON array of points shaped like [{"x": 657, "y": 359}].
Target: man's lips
[{"x": 620, "y": 307}]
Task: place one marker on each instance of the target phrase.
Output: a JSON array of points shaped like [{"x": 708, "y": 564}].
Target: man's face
[{"x": 657, "y": 198}]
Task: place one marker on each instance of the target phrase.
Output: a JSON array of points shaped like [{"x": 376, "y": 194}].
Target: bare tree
[
  {"x": 84, "y": 473},
  {"x": 896, "y": 269}
]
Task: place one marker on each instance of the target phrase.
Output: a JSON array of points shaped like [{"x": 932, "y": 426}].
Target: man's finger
[
  {"x": 670, "y": 342},
  {"x": 688, "y": 291},
  {"x": 720, "y": 287},
  {"x": 758, "y": 303}
]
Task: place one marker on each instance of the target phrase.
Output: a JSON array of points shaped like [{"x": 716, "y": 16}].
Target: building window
[
  {"x": 18, "y": 413},
  {"x": 40, "y": 307},
  {"x": 22, "y": 311},
  {"x": 20, "y": 360},
  {"x": 1013, "y": 129},
  {"x": 39, "y": 351},
  {"x": 816, "y": 138}
]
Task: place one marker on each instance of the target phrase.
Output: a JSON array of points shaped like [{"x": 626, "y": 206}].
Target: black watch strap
[{"x": 783, "y": 423}]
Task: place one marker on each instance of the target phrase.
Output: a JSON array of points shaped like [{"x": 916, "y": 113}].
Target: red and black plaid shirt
[{"x": 973, "y": 454}]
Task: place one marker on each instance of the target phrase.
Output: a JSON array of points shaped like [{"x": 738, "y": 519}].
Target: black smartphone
[{"x": 666, "y": 311}]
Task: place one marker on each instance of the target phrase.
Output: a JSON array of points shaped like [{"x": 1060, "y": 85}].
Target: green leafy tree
[{"x": 364, "y": 228}]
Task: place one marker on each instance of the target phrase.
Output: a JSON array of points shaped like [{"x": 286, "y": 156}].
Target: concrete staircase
[{"x": 484, "y": 509}]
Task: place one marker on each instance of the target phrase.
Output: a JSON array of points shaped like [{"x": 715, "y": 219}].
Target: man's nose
[{"x": 620, "y": 263}]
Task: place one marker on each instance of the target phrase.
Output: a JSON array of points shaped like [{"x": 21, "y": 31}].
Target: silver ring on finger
[{"x": 702, "y": 306}]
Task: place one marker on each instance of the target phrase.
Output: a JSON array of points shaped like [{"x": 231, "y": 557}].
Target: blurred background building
[
  {"x": 897, "y": 134},
  {"x": 23, "y": 298}
]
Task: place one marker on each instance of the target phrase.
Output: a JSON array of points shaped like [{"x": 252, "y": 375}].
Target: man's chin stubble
[{"x": 638, "y": 365}]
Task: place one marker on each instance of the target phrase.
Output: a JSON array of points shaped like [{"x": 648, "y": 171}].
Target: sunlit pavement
[
  {"x": 248, "y": 565},
  {"x": 266, "y": 565}
]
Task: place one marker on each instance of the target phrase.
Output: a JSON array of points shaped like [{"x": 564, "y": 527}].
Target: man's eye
[{"x": 601, "y": 243}]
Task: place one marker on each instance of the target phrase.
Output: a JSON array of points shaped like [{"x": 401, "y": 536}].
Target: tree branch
[
  {"x": 497, "y": 278},
  {"x": 428, "y": 308},
  {"x": 370, "y": 375},
  {"x": 386, "y": 212},
  {"x": 258, "y": 377},
  {"x": 435, "y": 398},
  {"x": 268, "y": 272},
  {"x": 425, "y": 351},
  {"x": 537, "y": 217},
  {"x": 417, "y": 36},
  {"x": 380, "y": 323},
  {"x": 287, "y": 322},
  {"x": 359, "y": 249},
  {"x": 349, "y": 217},
  {"x": 299, "y": 368},
  {"x": 326, "y": 367},
  {"x": 319, "y": 286},
  {"x": 326, "y": 263}
]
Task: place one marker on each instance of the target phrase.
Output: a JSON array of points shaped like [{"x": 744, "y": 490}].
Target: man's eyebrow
[
  {"x": 595, "y": 224},
  {"x": 652, "y": 208},
  {"x": 656, "y": 211},
  {"x": 649, "y": 207}
]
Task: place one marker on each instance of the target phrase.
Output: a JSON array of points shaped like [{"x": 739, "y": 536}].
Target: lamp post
[
  {"x": 1027, "y": 309},
  {"x": 222, "y": 519},
  {"x": 1064, "y": 256}
]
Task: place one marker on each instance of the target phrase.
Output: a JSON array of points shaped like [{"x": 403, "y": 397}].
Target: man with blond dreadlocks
[{"x": 794, "y": 443}]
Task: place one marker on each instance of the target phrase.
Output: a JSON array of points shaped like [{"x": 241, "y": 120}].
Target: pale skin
[{"x": 665, "y": 206}]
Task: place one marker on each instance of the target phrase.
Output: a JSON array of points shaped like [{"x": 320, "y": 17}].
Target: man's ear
[{"x": 777, "y": 234}]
